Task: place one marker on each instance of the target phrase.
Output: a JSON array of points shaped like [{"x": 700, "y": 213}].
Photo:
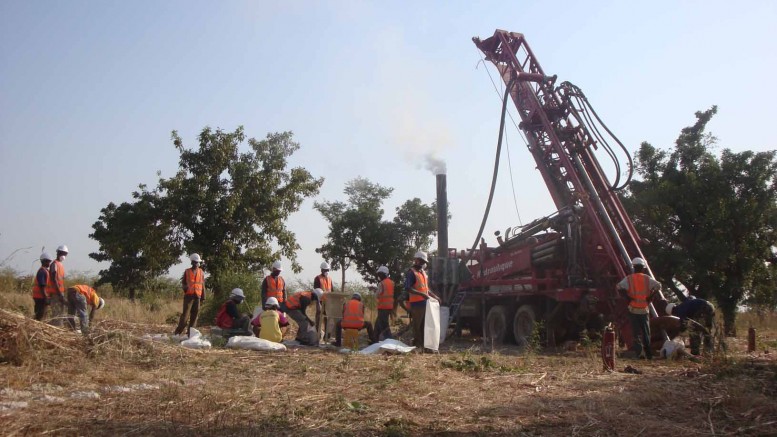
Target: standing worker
[
  {"x": 702, "y": 314},
  {"x": 270, "y": 322},
  {"x": 79, "y": 297},
  {"x": 417, "y": 287},
  {"x": 640, "y": 288},
  {"x": 296, "y": 307},
  {"x": 55, "y": 291},
  {"x": 41, "y": 281},
  {"x": 193, "y": 285},
  {"x": 385, "y": 295},
  {"x": 274, "y": 285},
  {"x": 353, "y": 318},
  {"x": 324, "y": 282},
  {"x": 229, "y": 318}
]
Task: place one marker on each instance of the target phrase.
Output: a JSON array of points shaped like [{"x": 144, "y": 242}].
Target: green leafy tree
[
  {"x": 137, "y": 239},
  {"x": 709, "y": 221},
  {"x": 231, "y": 207}
]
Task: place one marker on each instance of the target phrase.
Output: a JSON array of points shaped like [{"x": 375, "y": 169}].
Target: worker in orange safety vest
[
  {"x": 273, "y": 284},
  {"x": 55, "y": 290},
  {"x": 324, "y": 282},
  {"x": 353, "y": 318},
  {"x": 639, "y": 289},
  {"x": 41, "y": 281},
  {"x": 385, "y": 295},
  {"x": 296, "y": 307},
  {"x": 79, "y": 299},
  {"x": 193, "y": 286},
  {"x": 417, "y": 287}
]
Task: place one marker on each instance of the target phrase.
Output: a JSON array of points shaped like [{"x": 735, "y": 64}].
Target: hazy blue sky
[{"x": 90, "y": 91}]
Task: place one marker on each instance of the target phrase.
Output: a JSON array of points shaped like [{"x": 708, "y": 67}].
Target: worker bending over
[
  {"x": 417, "y": 287},
  {"x": 268, "y": 324},
  {"x": 193, "y": 285},
  {"x": 79, "y": 298},
  {"x": 40, "y": 283},
  {"x": 701, "y": 315},
  {"x": 296, "y": 306},
  {"x": 353, "y": 318},
  {"x": 640, "y": 288},
  {"x": 385, "y": 295},
  {"x": 229, "y": 317}
]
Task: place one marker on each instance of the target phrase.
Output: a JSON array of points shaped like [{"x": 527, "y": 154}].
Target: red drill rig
[{"x": 559, "y": 270}]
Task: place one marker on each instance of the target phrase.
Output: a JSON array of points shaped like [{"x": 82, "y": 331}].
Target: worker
[
  {"x": 324, "y": 282},
  {"x": 55, "y": 290},
  {"x": 193, "y": 285},
  {"x": 229, "y": 318},
  {"x": 79, "y": 298},
  {"x": 417, "y": 287},
  {"x": 639, "y": 289},
  {"x": 270, "y": 323},
  {"x": 700, "y": 314},
  {"x": 274, "y": 285},
  {"x": 296, "y": 307},
  {"x": 385, "y": 295},
  {"x": 39, "y": 285},
  {"x": 353, "y": 318}
]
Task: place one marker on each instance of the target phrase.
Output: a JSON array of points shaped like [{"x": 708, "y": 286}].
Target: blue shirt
[
  {"x": 690, "y": 308},
  {"x": 41, "y": 277}
]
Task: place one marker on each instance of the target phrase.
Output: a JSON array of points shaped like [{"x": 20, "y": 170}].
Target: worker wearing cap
[
  {"x": 701, "y": 313},
  {"x": 193, "y": 285},
  {"x": 41, "y": 281},
  {"x": 417, "y": 288},
  {"x": 79, "y": 298},
  {"x": 640, "y": 288},
  {"x": 385, "y": 296},
  {"x": 274, "y": 285},
  {"x": 268, "y": 325},
  {"x": 55, "y": 290},
  {"x": 229, "y": 318},
  {"x": 296, "y": 307},
  {"x": 353, "y": 318}
]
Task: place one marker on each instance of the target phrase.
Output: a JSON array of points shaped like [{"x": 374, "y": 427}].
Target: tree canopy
[{"x": 709, "y": 222}]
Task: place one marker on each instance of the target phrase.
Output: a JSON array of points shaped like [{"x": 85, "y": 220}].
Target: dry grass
[{"x": 463, "y": 390}]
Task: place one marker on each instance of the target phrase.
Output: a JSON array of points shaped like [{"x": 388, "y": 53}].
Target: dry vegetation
[{"x": 51, "y": 380}]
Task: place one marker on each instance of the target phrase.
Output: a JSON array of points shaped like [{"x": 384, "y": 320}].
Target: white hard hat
[
  {"x": 62, "y": 248},
  {"x": 101, "y": 304},
  {"x": 271, "y": 301},
  {"x": 421, "y": 255},
  {"x": 195, "y": 257},
  {"x": 357, "y": 296},
  {"x": 45, "y": 256},
  {"x": 325, "y": 266},
  {"x": 669, "y": 308},
  {"x": 238, "y": 292},
  {"x": 319, "y": 293},
  {"x": 638, "y": 262},
  {"x": 277, "y": 265},
  {"x": 384, "y": 270}
]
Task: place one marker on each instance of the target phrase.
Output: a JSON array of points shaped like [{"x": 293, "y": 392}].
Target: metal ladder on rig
[{"x": 455, "y": 305}]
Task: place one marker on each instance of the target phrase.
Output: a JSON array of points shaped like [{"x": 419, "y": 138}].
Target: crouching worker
[
  {"x": 79, "y": 298},
  {"x": 268, "y": 324},
  {"x": 296, "y": 306},
  {"x": 700, "y": 315},
  {"x": 229, "y": 318},
  {"x": 353, "y": 318}
]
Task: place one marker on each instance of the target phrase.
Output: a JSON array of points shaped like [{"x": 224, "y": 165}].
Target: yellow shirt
[{"x": 271, "y": 329}]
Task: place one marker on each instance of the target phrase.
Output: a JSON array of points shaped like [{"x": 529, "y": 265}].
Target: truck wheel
[
  {"x": 497, "y": 324},
  {"x": 523, "y": 325}
]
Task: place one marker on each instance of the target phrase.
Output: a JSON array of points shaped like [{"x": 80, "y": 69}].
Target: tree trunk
[
  {"x": 729, "y": 310},
  {"x": 342, "y": 284},
  {"x": 132, "y": 294}
]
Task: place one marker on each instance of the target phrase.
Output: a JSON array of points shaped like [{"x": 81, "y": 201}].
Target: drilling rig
[{"x": 558, "y": 272}]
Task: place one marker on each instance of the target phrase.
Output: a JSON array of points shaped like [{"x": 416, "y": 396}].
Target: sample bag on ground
[
  {"x": 432, "y": 325},
  {"x": 254, "y": 343}
]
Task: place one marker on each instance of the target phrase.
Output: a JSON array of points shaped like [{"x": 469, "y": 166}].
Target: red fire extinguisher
[{"x": 608, "y": 348}]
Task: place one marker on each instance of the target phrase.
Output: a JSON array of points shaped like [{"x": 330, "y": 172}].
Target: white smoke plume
[{"x": 434, "y": 164}]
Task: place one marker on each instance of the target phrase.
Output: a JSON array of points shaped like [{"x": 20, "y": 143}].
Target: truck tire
[
  {"x": 523, "y": 325},
  {"x": 498, "y": 325}
]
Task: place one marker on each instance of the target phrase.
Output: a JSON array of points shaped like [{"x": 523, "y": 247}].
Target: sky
[{"x": 91, "y": 90}]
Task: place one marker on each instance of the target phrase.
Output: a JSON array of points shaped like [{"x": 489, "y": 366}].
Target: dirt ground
[{"x": 113, "y": 383}]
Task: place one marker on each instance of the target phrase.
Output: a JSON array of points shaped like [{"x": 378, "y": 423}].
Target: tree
[
  {"x": 231, "y": 207},
  {"x": 358, "y": 236},
  {"x": 709, "y": 221},
  {"x": 137, "y": 239}
]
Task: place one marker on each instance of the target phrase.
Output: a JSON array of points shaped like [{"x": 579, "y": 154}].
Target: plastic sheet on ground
[
  {"x": 196, "y": 343},
  {"x": 254, "y": 343},
  {"x": 389, "y": 346},
  {"x": 672, "y": 349},
  {"x": 291, "y": 343},
  {"x": 432, "y": 325},
  {"x": 164, "y": 338}
]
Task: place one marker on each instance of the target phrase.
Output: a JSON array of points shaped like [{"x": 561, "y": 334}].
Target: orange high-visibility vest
[
  {"x": 353, "y": 315},
  {"x": 89, "y": 293},
  {"x": 195, "y": 282},
  {"x": 53, "y": 288},
  {"x": 275, "y": 287},
  {"x": 639, "y": 290},
  {"x": 420, "y": 286},
  {"x": 293, "y": 303},
  {"x": 325, "y": 282},
  {"x": 386, "y": 299},
  {"x": 39, "y": 292}
]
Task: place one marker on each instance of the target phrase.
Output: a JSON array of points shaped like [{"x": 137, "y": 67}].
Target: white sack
[
  {"x": 445, "y": 319},
  {"x": 194, "y": 333},
  {"x": 432, "y": 325},
  {"x": 157, "y": 337},
  {"x": 672, "y": 349},
  {"x": 196, "y": 342},
  {"x": 254, "y": 344}
]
